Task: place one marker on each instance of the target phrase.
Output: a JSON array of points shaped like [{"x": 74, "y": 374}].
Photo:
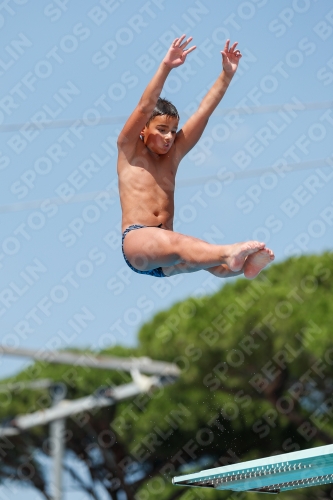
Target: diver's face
[{"x": 160, "y": 134}]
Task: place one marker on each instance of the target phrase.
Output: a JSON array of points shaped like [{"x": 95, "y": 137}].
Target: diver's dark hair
[{"x": 163, "y": 107}]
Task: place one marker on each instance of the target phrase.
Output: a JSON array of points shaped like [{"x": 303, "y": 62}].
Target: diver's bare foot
[
  {"x": 256, "y": 262},
  {"x": 239, "y": 252}
]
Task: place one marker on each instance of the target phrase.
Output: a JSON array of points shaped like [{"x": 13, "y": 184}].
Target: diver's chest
[{"x": 164, "y": 176}]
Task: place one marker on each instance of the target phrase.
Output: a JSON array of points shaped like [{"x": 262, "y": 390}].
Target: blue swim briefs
[{"x": 157, "y": 273}]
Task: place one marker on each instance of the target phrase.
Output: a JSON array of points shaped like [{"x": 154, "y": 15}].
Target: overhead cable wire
[
  {"x": 109, "y": 120},
  {"x": 182, "y": 183}
]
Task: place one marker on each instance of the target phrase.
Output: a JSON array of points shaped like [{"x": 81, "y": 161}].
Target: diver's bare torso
[{"x": 146, "y": 186}]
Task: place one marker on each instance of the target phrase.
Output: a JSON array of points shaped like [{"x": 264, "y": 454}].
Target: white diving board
[{"x": 268, "y": 475}]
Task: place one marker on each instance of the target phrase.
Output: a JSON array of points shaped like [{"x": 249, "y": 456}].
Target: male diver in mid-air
[{"x": 150, "y": 150}]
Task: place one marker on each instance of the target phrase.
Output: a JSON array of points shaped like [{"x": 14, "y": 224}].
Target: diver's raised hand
[
  {"x": 177, "y": 53},
  {"x": 230, "y": 58}
]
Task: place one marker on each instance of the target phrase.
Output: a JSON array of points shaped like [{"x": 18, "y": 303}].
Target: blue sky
[{"x": 63, "y": 279}]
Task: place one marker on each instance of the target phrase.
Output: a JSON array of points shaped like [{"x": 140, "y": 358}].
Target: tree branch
[{"x": 85, "y": 487}]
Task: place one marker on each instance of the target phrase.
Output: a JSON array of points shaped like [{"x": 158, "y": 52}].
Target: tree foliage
[{"x": 257, "y": 376}]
